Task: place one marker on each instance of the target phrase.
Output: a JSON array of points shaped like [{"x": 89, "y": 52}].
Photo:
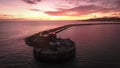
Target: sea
[{"x": 97, "y": 46}]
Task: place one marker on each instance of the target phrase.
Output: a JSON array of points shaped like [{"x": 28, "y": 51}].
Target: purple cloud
[
  {"x": 105, "y": 3},
  {"x": 31, "y": 1},
  {"x": 78, "y": 11},
  {"x": 78, "y": 7}
]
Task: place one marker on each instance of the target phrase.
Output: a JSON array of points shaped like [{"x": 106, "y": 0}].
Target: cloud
[
  {"x": 31, "y": 1},
  {"x": 34, "y": 10},
  {"x": 6, "y": 15},
  {"x": 105, "y": 3},
  {"x": 78, "y": 11},
  {"x": 77, "y": 7}
]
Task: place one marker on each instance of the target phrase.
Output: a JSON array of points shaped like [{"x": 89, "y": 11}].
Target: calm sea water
[{"x": 98, "y": 46}]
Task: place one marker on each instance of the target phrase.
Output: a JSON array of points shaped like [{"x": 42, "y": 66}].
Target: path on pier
[{"x": 59, "y": 29}]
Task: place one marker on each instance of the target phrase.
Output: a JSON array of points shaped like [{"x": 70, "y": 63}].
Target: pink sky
[{"x": 58, "y": 9}]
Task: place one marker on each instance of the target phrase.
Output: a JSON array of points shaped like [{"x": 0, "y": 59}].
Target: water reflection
[{"x": 97, "y": 46}]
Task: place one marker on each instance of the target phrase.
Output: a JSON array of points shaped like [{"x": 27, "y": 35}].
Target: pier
[
  {"x": 59, "y": 29},
  {"x": 47, "y": 47}
]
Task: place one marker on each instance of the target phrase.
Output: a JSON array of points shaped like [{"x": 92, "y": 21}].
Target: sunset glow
[{"x": 58, "y": 9}]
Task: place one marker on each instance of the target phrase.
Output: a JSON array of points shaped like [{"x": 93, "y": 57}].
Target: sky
[{"x": 58, "y": 9}]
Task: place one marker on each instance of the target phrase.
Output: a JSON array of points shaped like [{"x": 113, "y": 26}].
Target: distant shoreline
[{"x": 111, "y": 19}]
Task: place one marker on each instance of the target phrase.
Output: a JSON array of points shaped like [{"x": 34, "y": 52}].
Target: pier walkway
[{"x": 59, "y": 29}]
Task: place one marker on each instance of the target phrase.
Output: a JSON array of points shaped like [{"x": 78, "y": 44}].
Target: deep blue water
[{"x": 97, "y": 46}]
